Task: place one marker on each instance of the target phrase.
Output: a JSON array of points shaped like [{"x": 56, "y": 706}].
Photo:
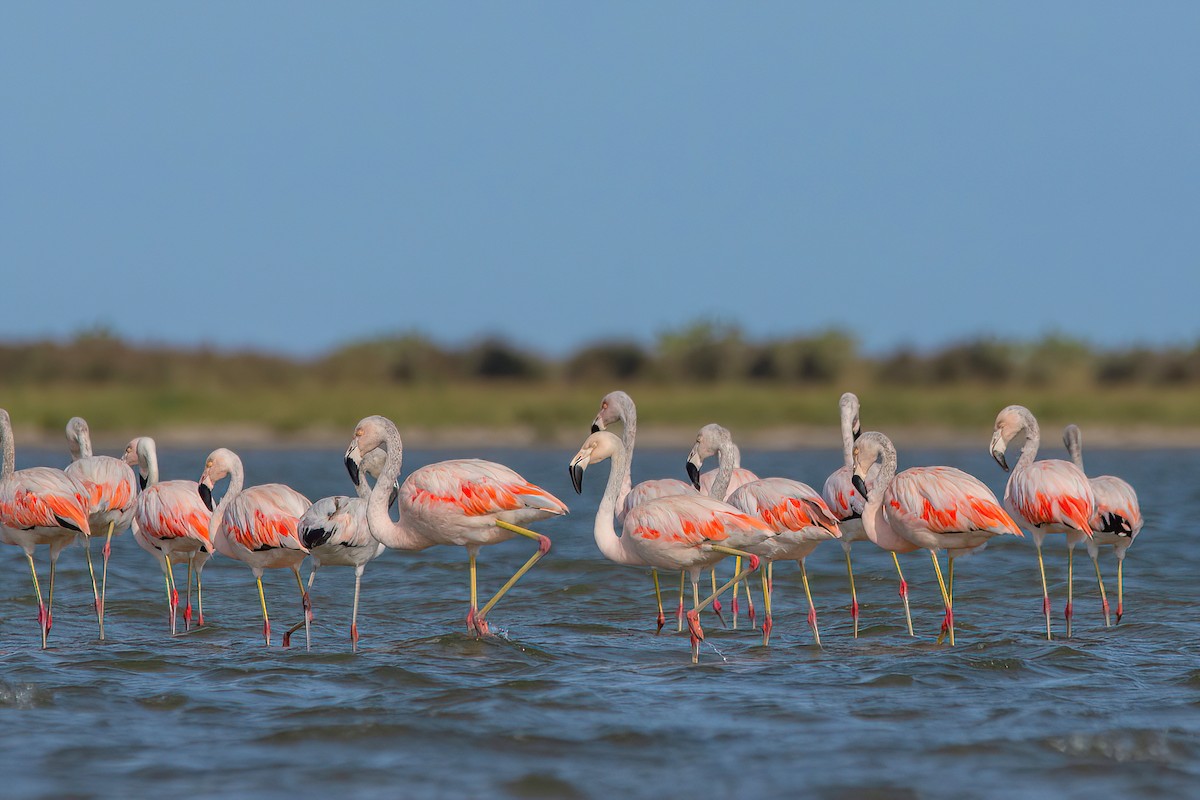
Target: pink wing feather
[
  {"x": 265, "y": 517},
  {"x": 476, "y": 488},
  {"x": 947, "y": 500},
  {"x": 39, "y": 497},
  {"x": 1052, "y": 492}
]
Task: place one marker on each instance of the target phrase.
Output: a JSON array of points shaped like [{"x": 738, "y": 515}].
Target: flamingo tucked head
[
  {"x": 708, "y": 442},
  {"x": 597, "y": 447},
  {"x": 850, "y": 407},
  {"x": 369, "y": 433},
  {"x": 610, "y": 409},
  {"x": 870, "y": 448},
  {"x": 220, "y": 462},
  {"x": 79, "y": 438},
  {"x": 1011, "y": 422}
]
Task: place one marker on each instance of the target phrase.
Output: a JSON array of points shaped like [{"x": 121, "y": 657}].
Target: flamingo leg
[
  {"x": 200, "y": 595},
  {"x": 42, "y": 614},
  {"x": 187, "y": 608},
  {"x": 766, "y": 588},
  {"x": 472, "y": 552},
  {"x": 693, "y": 616},
  {"x": 172, "y": 596},
  {"x": 716, "y": 606},
  {"x": 1045, "y": 591},
  {"x": 543, "y": 548},
  {"x": 1069, "y": 612},
  {"x": 679, "y": 611},
  {"x": 853, "y": 593},
  {"x": 945, "y": 593},
  {"x": 733, "y": 605},
  {"x": 662, "y": 619},
  {"x": 749, "y": 604},
  {"x": 948, "y": 622},
  {"x": 87, "y": 549},
  {"x": 1120, "y": 588},
  {"x": 1103, "y": 594},
  {"x": 104, "y": 573},
  {"x": 904, "y": 594},
  {"x": 306, "y": 615},
  {"x": 812, "y": 609},
  {"x": 358, "y": 572},
  {"x": 50, "y": 597},
  {"x": 262, "y": 598}
]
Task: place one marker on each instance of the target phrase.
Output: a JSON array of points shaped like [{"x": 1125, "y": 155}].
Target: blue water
[{"x": 576, "y": 696}]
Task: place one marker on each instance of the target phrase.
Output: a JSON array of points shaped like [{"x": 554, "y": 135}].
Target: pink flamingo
[
  {"x": 112, "y": 492},
  {"x": 336, "y": 532},
  {"x": 847, "y": 505},
  {"x": 619, "y": 407},
  {"x": 465, "y": 502},
  {"x": 938, "y": 508},
  {"x": 170, "y": 521},
  {"x": 38, "y": 505},
  {"x": 1118, "y": 517},
  {"x": 678, "y": 532},
  {"x": 1052, "y": 496},
  {"x": 720, "y": 483},
  {"x": 256, "y": 526},
  {"x": 799, "y": 520}
]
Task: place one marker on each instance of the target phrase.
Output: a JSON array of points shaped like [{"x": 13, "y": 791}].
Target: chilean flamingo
[
  {"x": 619, "y": 407},
  {"x": 38, "y": 505},
  {"x": 256, "y": 526},
  {"x": 170, "y": 521},
  {"x": 466, "y": 502},
  {"x": 938, "y": 508},
  {"x": 336, "y": 532},
  {"x": 1118, "y": 517},
  {"x": 847, "y": 505},
  {"x": 799, "y": 520},
  {"x": 112, "y": 492},
  {"x": 1051, "y": 495},
  {"x": 720, "y": 483},
  {"x": 678, "y": 532}
]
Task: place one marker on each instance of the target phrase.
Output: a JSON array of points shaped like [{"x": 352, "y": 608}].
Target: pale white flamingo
[
  {"x": 336, "y": 532},
  {"x": 464, "y": 502},
  {"x": 618, "y": 406},
  {"x": 1051, "y": 496},
  {"x": 1118, "y": 517},
  {"x": 39, "y": 505},
  {"x": 112, "y": 492},
  {"x": 799, "y": 520},
  {"x": 170, "y": 521},
  {"x": 256, "y": 526},
  {"x": 938, "y": 508},
  {"x": 847, "y": 505},
  {"x": 678, "y": 532},
  {"x": 720, "y": 483}
]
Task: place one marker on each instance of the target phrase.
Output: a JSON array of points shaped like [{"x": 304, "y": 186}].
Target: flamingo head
[
  {"x": 868, "y": 450},
  {"x": 708, "y": 441},
  {"x": 597, "y": 447},
  {"x": 135, "y": 455},
  {"x": 219, "y": 464},
  {"x": 612, "y": 407},
  {"x": 370, "y": 433},
  {"x": 79, "y": 438},
  {"x": 372, "y": 464},
  {"x": 850, "y": 406},
  {"x": 1011, "y": 422}
]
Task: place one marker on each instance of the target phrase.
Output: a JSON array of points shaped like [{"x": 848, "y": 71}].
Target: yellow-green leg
[
  {"x": 662, "y": 618},
  {"x": 262, "y": 598},
  {"x": 853, "y": 592},
  {"x": 1103, "y": 594},
  {"x": 812, "y": 609},
  {"x": 1045, "y": 590},
  {"x": 543, "y": 548},
  {"x": 945, "y": 593},
  {"x": 87, "y": 550},
  {"x": 42, "y": 612},
  {"x": 904, "y": 594}
]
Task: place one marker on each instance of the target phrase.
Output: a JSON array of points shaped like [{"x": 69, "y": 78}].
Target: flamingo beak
[
  {"x": 693, "y": 468},
  {"x": 860, "y": 485},
  {"x": 998, "y": 445},
  {"x": 353, "y": 458},
  {"x": 206, "y": 494},
  {"x": 576, "y": 469}
]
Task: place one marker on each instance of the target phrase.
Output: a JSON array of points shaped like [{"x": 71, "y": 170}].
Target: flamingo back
[
  {"x": 173, "y": 510},
  {"x": 475, "y": 488},
  {"x": 944, "y": 500},
  {"x": 111, "y": 483},
  {"x": 336, "y": 520},
  {"x": 840, "y": 495},
  {"x": 265, "y": 517},
  {"x": 1117, "y": 508},
  {"x": 786, "y": 505},
  {"x": 692, "y": 520},
  {"x": 1052, "y": 493},
  {"x": 42, "y": 497},
  {"x": 646, "y": 491}
]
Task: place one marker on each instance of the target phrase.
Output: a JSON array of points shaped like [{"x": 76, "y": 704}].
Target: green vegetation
[{"x": 703, "y": 373}]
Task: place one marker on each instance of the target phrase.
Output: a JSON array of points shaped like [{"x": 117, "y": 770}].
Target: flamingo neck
[
  {"x": 391, "y": 534},
  {"x": 148, "y": 461},
  {"x": 80, "y": 445},
  {"x": 6, "y": 444},
  {"x": 848, "y": 415},
  {"x": 628, "y": 417},
  {"x": 237, "y": 479},
  {"x": 1033, "y": 439},
  {"x": 875, "y": 522},
  {"x": 612, "y": 546},
  {"x": 728, "y": 459},
  {"x": 1075, "y": 447}
]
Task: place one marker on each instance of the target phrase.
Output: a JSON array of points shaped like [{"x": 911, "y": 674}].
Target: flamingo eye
[{"x": 208, "y": 464}]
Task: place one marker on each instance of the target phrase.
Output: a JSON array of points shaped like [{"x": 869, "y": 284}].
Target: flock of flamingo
[{"x": 666, "y": 524}]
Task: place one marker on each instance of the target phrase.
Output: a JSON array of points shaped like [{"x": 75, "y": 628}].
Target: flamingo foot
[
  {"x": 812, "y": 618},
  {"x": 661, "y": 620},
  {"x": 903, "y": 590},
  {"x": 1107, "y": 623},
  {"x": 187, "y": 617},
  {"x": 750, "y": 613},
  {"x": 267, "y": 632},
  {"x": 696, "y": 634},
  {"x": 1046, "y": 605},
  {"x": 716, "y": 607},
  {"x": 354, "y": 634},
  {"x": 733, "y": 608},
  {"x": 679, "y": 611},
  {"x": 1120, "y": 611},
  {"x": 766, "y": 629},
  {"x": 1068, "y": 612},
  {"x": 287, "y": 639},
  {"x": 306, "y": 603},
  {"x": 107, "y": 551}
]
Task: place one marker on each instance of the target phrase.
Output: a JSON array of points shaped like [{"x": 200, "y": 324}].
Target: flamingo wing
[
  {"x": 173, "y": 510},
  {"x": 41, "y": 497},
  {"x": 110, "y": 482},
  {"x": 1052, "y": 492},
  {"x": 785, "y": 505},
  {"x": 337, "y": 520},
  {"x": 946, "y": 500},
  {"x": 1117, "y": 508},
  {"x": 265, "y": 517},
  {"x": 693, "y": 520},
  {"x": 646, "y": 491},
  {"x": 476, "y": 488}
]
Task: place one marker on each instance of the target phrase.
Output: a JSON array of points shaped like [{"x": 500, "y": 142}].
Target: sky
[{"x": 293, "y": 176}]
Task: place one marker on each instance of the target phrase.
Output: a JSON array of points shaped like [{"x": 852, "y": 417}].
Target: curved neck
[
  {"x": 628, "y": 417},
  {"x": 612, "y": 546},
  {"x": 6, "y": 444},
  {"x": 874, "y": 521},
  {"x": 848, "y": 435},
  {"x": 1033, "y": 439},
  {"x": 81, "y": 445},
  {"x": 148, "y": 461},
  {"x": 237, "y": 478},
  {"x": 391, "y": 534},
  {"x": 728, "y": 459},
  {"x": 1074, "y": 444}
]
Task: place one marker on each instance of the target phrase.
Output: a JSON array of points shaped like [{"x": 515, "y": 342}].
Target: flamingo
[
  {"x": 720, "y": 483},
  {"x": 256, "y": 526},
  {"x": 619, "y": 407},
  {"x": 938, "y": 508},
  {"x": 39, "y": 505},
  {"x": 847, "y": 505},
  {"x": 1118, "y": 517},
  {"x": 799, "y": 520},
  {"x": 676, "y": 532},
  {"x": 1051, "y": 495},
  {"x": 170, "y": 521},
  {"x": 335, "y": 531},
  {"x": 465, "y": 502},
  {"x": 112, "y": 493}
]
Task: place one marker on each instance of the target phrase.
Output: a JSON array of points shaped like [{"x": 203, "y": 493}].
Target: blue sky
[{"x": 291, "y": 176}]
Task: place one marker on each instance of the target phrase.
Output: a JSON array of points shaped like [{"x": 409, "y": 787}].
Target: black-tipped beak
[
  {"x": 394, "y": 494},
  {"x": 576, "y": 477},
  {"x": 595, "y": 428},
  {"x": 206, "y": 496},
  {"x": 857, "y": 433},
  {"x": 1001, "y": 461},
  {"x": 352, "y": 468},
  {"x": 693, "y": 474},
  {"x": 860, "y": 485},
  {"x": 142, "y": 481}
]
